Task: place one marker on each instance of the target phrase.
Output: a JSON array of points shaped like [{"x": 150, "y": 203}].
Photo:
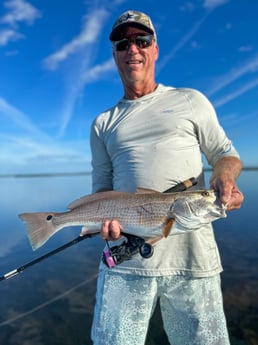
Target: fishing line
[{"x": 47, "y": 303}]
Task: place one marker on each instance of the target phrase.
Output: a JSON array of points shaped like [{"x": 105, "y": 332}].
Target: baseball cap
[{"x": 131, "y": 18}]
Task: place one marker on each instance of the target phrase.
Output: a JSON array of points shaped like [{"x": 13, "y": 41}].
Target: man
[{"x": 153, "y": 138}]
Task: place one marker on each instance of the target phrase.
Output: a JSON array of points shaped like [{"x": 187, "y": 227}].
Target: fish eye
[
  {"x": 206, "y": 193},
  {"x": 49, "y": 217}
]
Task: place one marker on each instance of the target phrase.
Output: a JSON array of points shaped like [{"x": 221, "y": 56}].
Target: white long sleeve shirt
[{"x": 155, "y": 142}]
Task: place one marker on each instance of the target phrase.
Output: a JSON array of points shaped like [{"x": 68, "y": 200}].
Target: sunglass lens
[
  {"x": 140, "y": 41},
  {"x": 122, "y": 45},
  {"x": 143, "y": 42}
]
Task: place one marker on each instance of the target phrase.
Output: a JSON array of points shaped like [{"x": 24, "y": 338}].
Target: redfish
[{"x": 146, "y": 213}]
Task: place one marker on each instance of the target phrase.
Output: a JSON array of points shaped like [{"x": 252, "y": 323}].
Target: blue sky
[{"x": 57, "y": 72}]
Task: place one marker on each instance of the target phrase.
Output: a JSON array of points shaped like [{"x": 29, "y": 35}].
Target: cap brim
[{"x": 117, "y": 33}]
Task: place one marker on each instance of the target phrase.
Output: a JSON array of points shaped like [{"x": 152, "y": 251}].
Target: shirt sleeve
[
  {"x": 102, "y": 172},
  {"x": 213, "y": 140}
]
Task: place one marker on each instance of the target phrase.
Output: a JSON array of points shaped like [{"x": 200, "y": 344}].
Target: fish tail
[{"x": 39, "y": 226}]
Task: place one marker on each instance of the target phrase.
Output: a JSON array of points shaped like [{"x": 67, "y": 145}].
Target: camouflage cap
[{"x": 131, "y": 18}]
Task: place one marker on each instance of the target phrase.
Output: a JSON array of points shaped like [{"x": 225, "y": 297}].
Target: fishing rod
[
  {"x": 182, "y": 186},
  {"x": 123, "y": 252},
  {"x": 45, "y": 256}
]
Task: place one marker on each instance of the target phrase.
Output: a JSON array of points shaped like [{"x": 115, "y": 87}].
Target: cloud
[
  {"x": 9, "y": 35},
  {"x": 91, "y": 75},
  {"x": 187, "y": 7},
  {"x": 181, "y": 43},
  {"x": 245, "y": 49},
  {"x": 212, "y": 4},
  {"x": 250, "y": 66},
  {"x": 25, "y": 153},
  {"x": 18, "y": 117},
  {"x": 26, "y": 140},
  {"x": 41, "y": 150},
  {"x": 96, "y": 72},
  {"x": 18, "y": 11},
  {"x": 32, "y": 144},
  {"x": 236, "y": 93},
  {"x": 92, "y": 25},
  {"x": 81, "y": 49}
]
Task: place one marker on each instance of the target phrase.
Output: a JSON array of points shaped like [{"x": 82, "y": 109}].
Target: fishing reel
[{"x": 130, "y": 246}]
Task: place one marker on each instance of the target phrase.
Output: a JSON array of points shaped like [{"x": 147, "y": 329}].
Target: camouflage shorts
[{"x": 192, "y": 309}]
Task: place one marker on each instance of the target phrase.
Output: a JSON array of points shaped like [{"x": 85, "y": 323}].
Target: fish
[{"x": 145, "y": 213}]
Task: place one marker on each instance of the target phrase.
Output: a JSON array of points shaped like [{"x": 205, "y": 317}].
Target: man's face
[{"x": 136, "y": 64}]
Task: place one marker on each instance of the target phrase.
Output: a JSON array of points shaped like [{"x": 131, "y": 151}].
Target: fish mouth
[
  {"x": 219, "y": 209},
  {"x": 220, "y": 212}
]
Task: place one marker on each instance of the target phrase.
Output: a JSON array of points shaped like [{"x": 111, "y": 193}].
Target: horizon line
[{"x": 80, "y": 173}]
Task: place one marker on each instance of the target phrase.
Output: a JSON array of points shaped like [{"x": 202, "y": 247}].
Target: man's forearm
[
  {"x": 227, "y": 167},
  {"x": 225, "y": 173}
]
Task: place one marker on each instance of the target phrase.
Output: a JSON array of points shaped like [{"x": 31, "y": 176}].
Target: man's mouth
[{"x": 134, "y": 62}]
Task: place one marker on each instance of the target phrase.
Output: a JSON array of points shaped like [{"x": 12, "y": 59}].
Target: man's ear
[
  {"x": 114, "y": 55},
  {"x": 157, "y": 52}
]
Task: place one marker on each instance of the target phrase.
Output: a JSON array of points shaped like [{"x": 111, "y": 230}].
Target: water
[{"x": 52, "y": 302}]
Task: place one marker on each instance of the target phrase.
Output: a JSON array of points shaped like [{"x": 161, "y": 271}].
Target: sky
[{"x": 57, "y": 73}]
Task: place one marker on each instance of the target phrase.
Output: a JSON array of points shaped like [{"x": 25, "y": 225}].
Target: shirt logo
[{"x": 167, "y": 111}]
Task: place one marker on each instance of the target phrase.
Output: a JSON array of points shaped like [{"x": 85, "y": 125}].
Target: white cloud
[
  {"x": 39, "y": 149},
  {"x": 211, "y": 4},
  {"x": 9, "y": 35},
  {"x": 245, "y": 49},
  {"x": 195, "y": 45},
  {"x": 236, "y": 93},
  {"x": 26, "y": 140},
  {"x": 97, "y": 71},
  {"x": 18, "y": 11},
  {"x": 181, "y": 43},
  {"x": 32, "y": 143},
  {"x": 90, "y": 31},
  {"x": 250, "y": 66},
  {"x": 18, "y": 118},
  {"x": 208, "y": 4},
  {"x": 80, "y": 48},
  {"x": 187, "y": 7}
]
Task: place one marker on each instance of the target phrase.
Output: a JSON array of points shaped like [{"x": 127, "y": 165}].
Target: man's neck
[{"x": 136, "y": 91}]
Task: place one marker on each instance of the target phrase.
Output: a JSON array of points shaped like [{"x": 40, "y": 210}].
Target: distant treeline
[{"x": 78, "y": 173}]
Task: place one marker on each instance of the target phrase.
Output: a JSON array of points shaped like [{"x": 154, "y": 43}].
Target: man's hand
[
  {"x": 111, "y": 230},
  {"x": 229, "y": 193},
  {"x": 223, "y": 180}
]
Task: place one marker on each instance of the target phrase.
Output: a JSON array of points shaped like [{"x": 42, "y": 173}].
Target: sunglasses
[{"x": 140, "y": 42}]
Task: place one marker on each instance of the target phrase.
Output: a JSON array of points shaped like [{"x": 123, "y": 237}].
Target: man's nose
[{"x": 132, "y": 47}]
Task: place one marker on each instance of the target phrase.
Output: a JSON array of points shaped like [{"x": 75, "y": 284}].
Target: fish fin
[
  {"x": 140, "y": 190},
  {"x": 105, "y": 195},
  {"x": 95, "y": 197},
  {"x": 39, "y": 226},
  {"x": 154, "y": 240},
  {"x": 168, "y": 226},
  {"x": 86, "y": 231}
]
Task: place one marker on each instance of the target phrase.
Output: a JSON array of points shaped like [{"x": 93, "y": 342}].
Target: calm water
[{"x": 52, "y": 302}]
